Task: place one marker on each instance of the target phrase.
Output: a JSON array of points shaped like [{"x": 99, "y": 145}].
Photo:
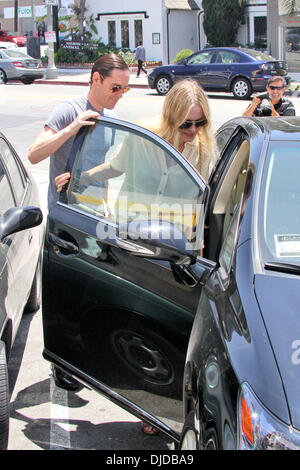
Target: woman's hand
[{"x": 62, "y": 180}]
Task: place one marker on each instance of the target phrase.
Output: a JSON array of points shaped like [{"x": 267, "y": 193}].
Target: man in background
[{"x": 140, "y": 55}]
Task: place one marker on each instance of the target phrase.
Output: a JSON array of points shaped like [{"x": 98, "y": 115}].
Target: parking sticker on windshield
[{"x": 287, "y": 245}]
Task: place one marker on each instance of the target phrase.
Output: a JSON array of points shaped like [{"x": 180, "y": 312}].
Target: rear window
[
  {"x": 258, "y": 55},
  {"x": 14, "y": 53}
]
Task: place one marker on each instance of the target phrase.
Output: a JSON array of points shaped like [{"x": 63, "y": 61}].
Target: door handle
[
  {"x": 61, "y": 243},
  {"x": 133, "y": 247}
]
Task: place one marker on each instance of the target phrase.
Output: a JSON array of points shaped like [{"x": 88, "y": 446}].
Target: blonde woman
[{"x": 185, "y": 123}]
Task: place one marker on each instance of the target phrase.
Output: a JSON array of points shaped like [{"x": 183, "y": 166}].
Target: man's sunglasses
[
  {"x": 116, "y": 88},
  {"x": 272, "y": 87},
  {"x": 188, "y": 124}
]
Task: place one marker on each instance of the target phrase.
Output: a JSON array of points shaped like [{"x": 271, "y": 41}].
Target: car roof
[{"x": 276, "y": 128}]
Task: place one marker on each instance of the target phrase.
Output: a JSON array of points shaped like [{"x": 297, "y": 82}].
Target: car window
[
  {"x": 279, "y": 227},
  {"x": 223, "y": 138},
  {"x": 14, "y": 171},
  {"x": 230, "y": 239},
  {"x": 227, "y": 57},
  {"x": 7, "y": 199},
  {"x": 227, "y": 196},
  {"x": 201, "y": 58},
  {"x": 15, "y": 53},
  {"x": 136, "y": 180}
]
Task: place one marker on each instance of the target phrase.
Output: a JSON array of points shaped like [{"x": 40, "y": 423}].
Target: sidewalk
[{"x": 81, "y": 77}]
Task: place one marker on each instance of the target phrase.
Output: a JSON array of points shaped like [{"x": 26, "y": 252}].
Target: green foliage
[
  {"x": 89, "y": 54},
  {"x": 222, "y": 19},
  {"x": 182, "y": 55}
]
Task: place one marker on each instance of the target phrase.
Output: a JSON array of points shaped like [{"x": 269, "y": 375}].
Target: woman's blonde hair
[
  {"x": 178, "y": 103},
  {"x": 176, "y": 108}
]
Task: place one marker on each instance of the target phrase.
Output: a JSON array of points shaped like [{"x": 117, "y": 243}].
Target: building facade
[
  {"x": 165, "y": 26},
  {"x": 284, "y": 33}
]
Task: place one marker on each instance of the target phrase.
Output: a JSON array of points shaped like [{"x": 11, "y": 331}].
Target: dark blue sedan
[{"x": 236, "y": 70}]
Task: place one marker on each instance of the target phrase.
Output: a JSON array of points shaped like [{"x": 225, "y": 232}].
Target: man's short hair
[
  {"x": 276, "y": 78},
  {"x": 106, "y": 63}
]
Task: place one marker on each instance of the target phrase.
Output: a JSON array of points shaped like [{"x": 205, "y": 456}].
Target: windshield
[
  {"x": 279, "y": 212},
  {"x": 258, "y": 55}
]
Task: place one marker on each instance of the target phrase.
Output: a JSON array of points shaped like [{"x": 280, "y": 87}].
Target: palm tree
[{"x": 291, "y": 6}]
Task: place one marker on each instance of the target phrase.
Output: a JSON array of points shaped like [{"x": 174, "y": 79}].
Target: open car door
[{"x": 120, "y": 283}]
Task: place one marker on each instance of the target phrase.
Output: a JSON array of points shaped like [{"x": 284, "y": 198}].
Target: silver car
[{"x": 16, "y": 65}]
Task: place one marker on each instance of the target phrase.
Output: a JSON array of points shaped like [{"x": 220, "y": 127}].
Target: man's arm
[
  {"x": 49, "y": 140},
  {"x": 252, "y": 107}
]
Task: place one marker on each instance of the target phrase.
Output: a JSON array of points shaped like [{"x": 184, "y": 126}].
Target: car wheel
[
  {"x": 3, "y": 78},
  {"x": 241, "y": 88},
  {"x": 34, "y": 299},
  {"x": 163, "y": 84},
  {"x": 4, "y": 399},
  {"x": 189, "y": 440},
  {"x": 27, "y": 81}
]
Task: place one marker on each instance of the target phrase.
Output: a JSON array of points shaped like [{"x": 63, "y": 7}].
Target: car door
[
  {"x": 22, "y": 247},
  {"x": 222, "y": 69},
  {"x": 198, "y": 67},
  {"x": 113, "y": 311}
]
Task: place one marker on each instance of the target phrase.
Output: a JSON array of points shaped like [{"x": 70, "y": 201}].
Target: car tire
[
  {"x": 27, "y": 81},
  {"x": 3, "y": 77},
  {"x": 4, "y": 399},
  {"x": 241, "y": 88},
  {"x": 163, "y": 84},
  {"x": 189, "y": 439},
  {"x": 35, "y": 296}
]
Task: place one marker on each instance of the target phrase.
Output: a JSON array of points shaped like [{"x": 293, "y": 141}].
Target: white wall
[
  {"x": 152, "y": 24},
  {"x": 183, "y": 32}
]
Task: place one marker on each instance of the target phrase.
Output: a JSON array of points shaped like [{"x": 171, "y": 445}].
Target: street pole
[{"x": 51, "y": 70}]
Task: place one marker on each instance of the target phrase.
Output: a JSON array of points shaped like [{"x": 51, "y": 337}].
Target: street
[{"x": 43, "y": 416}]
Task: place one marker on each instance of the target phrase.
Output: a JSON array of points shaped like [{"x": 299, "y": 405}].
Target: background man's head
[{"x": 276, "y": 88}]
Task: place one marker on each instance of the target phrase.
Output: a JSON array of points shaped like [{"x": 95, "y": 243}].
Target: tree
[
  {"x": 291, "y": 6},
  {"x": 222, "y": 19}
]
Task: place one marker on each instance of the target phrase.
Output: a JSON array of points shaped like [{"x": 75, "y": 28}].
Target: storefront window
[
  {"x": 260, "y": 32},
  {"x": 292, "y": 39},
  {"x": 138, "y": 31},
  {"x": 125, "y": 33},
  {"x": 111, "y": 33}
]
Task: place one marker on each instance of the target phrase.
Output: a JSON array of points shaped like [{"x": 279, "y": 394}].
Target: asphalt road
[{"x": 43, "y": 416}]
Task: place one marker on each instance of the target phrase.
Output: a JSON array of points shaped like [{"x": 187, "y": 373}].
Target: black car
[
  {"x": 20, "y": 261},
  {"x": 201, "y": 341},
  {"x": 227, "y": 69}
]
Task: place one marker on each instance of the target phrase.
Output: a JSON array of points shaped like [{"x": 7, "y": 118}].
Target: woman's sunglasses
[
  {"x": 272, "y": 87},
  {"x": 188, "y": 124}
]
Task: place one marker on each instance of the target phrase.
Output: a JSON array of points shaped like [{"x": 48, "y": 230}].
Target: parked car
[
  {"x": 20, "y": 40},
  {"x": 168, "y": 329},
  {"x": 16, "y": 65},
  {"x": 8, "y": 45},
  {"x": 21, "y": 241},
  {"x": 227, "y": 69}
]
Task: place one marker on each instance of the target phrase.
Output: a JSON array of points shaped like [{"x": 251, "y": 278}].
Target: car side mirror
[
  {"x": 184, "y": 62},
  {"x": 19, "y": 218},
  {"x": 157, "y": 240}
]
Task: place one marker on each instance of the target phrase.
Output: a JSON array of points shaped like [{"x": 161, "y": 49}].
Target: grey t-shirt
[{"x": 61, "y": 117}]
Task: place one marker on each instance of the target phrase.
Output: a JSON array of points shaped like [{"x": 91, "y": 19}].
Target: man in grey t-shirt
[{"x": 109, "y": 80}]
